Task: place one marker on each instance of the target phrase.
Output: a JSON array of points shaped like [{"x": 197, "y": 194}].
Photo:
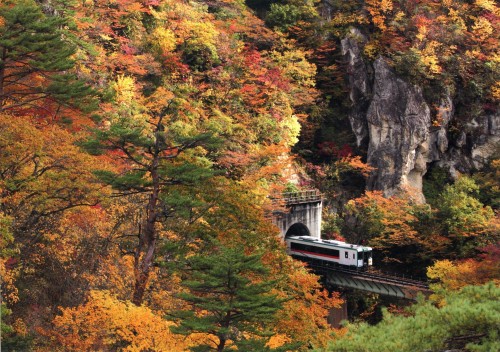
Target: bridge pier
[{"x": 336, "y": 315}]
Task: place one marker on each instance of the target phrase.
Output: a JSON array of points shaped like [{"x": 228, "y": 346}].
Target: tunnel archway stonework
[
  {"x": 300, "y": 220},
  {"x": 297, "y": 229}
]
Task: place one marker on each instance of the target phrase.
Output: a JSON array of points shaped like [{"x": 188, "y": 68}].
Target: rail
[
  {"x": 302, "y": 197},
  {"x": 371, "y": 276}
]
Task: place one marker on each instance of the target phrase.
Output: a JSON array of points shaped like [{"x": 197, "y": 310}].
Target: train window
[
  {"x": 354, "y": 256},
  {"x": 346, "y": 255},
  {"x": 313, "y": 249}
]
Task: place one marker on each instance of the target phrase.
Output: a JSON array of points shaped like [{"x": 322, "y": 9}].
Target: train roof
[{"x": 330, "y": 243}]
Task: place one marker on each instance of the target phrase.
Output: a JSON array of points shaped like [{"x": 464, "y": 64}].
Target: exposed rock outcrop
[
  {"x": 360, "y": 85},
  {"x": 398, "y": 124},
  {"x": 392, "y": 118}
]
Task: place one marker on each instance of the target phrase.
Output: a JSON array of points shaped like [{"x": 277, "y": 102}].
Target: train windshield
[{"x": 367, "y": 256}]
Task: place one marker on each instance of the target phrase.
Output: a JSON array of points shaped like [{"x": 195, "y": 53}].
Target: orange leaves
[
  {"x": 354, "y": 163},
  {"x": 44, "y": 165},
  {"x": 450, "y": 275},
  {"x": 388, "y": 221},
  {"x": 378, "y": 10},
  {"x": 304, "y": 317},
  {"x": 106, "y": 323}
]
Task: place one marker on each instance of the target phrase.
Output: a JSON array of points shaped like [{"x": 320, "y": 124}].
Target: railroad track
[{"x": 371, "y": 275}]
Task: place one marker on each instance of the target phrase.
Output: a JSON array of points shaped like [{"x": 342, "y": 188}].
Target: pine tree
[
  {"x": 230, "y": 296},
  {"x": 36, "y": 59},
  {"x": 470, "y": 321},
  {"x": 164, "y": 158}
]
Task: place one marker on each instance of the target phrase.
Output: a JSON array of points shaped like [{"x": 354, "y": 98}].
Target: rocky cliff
[{"x": 392, "y": 119}]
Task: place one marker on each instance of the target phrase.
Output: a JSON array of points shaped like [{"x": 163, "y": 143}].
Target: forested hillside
[{"x": 141, "y": 143}]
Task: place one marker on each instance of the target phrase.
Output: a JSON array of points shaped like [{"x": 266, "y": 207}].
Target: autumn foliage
[
  {"x": 132, "y": 134},
  {"x": 140, "y": 141}
]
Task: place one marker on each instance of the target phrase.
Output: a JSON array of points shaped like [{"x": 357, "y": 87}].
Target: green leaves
[
  {"x": 462, "y": 214},
  {"x": 470, "y": 319},
  {"x": 230, "y": 292},
  {"x": 36, "y": 57}
]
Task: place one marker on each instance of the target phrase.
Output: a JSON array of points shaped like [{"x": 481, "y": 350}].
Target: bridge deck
[{"x": 384, "y": 284}]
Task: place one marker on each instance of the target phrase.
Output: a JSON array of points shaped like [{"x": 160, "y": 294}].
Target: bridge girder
[{"x": 384, "y": 288}]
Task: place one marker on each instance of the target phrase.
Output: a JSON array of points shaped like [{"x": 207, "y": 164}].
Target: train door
[
  {"x": 361, "y": 259},
  {"x": 348, "y": 257}
]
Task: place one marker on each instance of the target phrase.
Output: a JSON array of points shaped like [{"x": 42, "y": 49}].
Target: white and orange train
[{"x": 329, "y": 251}]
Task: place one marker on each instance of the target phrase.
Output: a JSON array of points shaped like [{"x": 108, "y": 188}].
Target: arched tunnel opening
[{"x": 298, "y": 229}]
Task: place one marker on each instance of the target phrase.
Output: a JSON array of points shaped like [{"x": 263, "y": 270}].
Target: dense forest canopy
[{"x": 141, "y": 143}]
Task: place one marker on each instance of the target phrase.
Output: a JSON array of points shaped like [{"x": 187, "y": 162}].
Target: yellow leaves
[
  {"x": 342, "y": 19},
  {"x": 481, "y": 29},
  {"x": 294, "y": 64},
  {"x": 422, "y": 32},
  {"x": 203, "y": 33},
  {"x": 441, "y": 270},
  {"x": 385, "y": 5},
  {"x": 107, "y": 323},
  {"x": 456, "y": 18},
  {"x": 124, "y": 87},
  {"x": 455, "y": 275},
  {"x": 290, "y": 127},
  {"x": 105, "y": 37},
  {"x": 495, "y": 91},
  {"x": 278, "y": 340},
  {"x": 431, "y": 62},
  {"x": 400, "y": 15},
  {"x": 486, "y": 4},
  {"x": 164, "y": 39},
  {"x": 199, "y": 35},
  {"x": 372, "y": 49},
  {"x": 472, "y": 54},
  {"x": 428, "y": 53},
  {"x": 128, "y": 102},
  {"x": 10, "y": 292}
]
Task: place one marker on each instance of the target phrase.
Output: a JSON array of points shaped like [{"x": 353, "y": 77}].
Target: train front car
[
  {"x": 330, "y": 252},
  {"x": 365, "y": 257}
]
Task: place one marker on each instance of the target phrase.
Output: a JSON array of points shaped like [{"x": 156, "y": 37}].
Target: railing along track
[{"x": 383, "y": 278}]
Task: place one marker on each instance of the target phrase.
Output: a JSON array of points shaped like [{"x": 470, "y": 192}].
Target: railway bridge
[{"x": 372, "y": 281}]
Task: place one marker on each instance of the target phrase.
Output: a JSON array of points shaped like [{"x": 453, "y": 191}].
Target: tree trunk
[
  {"x": 2, "y": 78},
  {"x": 222, "y": 343},
  {"x": 145, "y": 251}
]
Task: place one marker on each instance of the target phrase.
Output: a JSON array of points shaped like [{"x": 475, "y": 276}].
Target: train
[{"x": 330, "y": 251}]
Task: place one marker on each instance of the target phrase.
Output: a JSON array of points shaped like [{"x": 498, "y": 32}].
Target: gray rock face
[
  {"x": 398, "y": 123},
  {"x": 360, "y": 85},
  {"x": 391, "y": 118}
]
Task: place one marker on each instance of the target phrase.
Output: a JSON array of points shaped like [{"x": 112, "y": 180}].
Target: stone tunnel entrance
[
  {"x": 298, "y": 229},
  {"x": 302, "y": 216}
]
